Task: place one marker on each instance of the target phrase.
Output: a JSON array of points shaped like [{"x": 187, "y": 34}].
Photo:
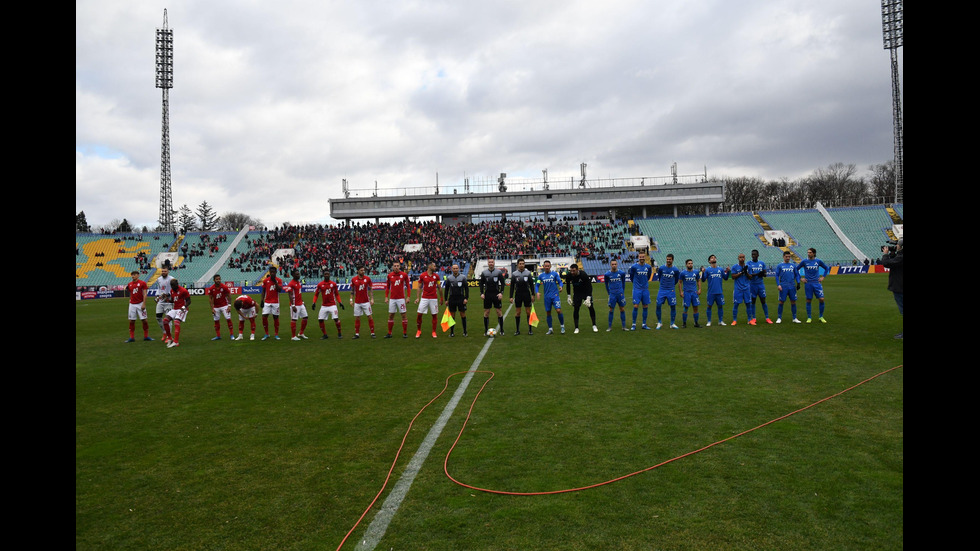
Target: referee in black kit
[{"x": 492, "y": 292}]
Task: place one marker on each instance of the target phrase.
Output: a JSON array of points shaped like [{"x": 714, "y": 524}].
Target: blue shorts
[
  {"x": 641, "y": 296},
  {"x": 691, "y": 298},
  {"x": 668, "y": 297},
  {"x": 552, "y": 302},
  {"x": 617, "y": 298},
  {"x": 788, "y": 291},
  {"x": 743, "y": 297},
  {"x": 758, "y": 292},
  {"x": 813, "y": 290},
  {"x": 716, "y": 298}
]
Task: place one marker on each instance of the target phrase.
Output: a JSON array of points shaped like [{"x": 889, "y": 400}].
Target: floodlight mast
[
  {"x": 892, "y": 25},
  {"x": 165, "y": 81}
]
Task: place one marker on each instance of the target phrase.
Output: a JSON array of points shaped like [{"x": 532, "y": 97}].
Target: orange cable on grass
[
  {"x": 617, "y": 479},
  {"x": 566, "y": 490}
]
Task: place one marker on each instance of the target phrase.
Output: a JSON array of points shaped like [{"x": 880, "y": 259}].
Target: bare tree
[
  {"x": 881, "y": 183},
  {"x": 234, "y": 221}
]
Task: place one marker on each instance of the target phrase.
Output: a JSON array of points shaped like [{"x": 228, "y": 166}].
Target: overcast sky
[{"x": 274, "y": 103}]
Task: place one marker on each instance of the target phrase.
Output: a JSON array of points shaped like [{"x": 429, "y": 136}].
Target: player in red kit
[
  {"x": 297, "y": 310},
  {"x": 178, "y": 314},
  {"x": 362, "y": 298},
  {"x": 396, "y": 289},
  {"x": 218, "y": 298},
  {"x": 330, "y": 293},
  {"x": 245, "y": 307},
  {"x": 271, "y": 286},
  {"x": 428, "y": 298},
  {"x": 137, "y": 306}
]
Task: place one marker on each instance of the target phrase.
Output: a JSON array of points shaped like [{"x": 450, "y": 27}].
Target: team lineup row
[{"x": 453, "y": 290}]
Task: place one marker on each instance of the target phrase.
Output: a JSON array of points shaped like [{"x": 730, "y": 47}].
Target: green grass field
[{"x": 281, "y": 445}]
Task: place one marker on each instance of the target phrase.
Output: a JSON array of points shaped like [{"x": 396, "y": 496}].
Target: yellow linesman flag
[
  {"x": 533, "y": 317},
  {"x": 447, "y": 321}
]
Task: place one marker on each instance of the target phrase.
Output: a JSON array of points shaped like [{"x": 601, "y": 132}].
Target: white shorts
[
  {"x": 298, "y": 312},
  {"x": 362, "y": 309},
  {"x": 222, "y": 311},
  {"x": 164, "y": 307},
  {"x": 244, "y": 313},
  {"x": 396, "y": 305},
  {"x": 137, "y": 311},
  {"x": 177, "y": 314},
  {"x": 328, "y": 312},
  {"x": 270, "y": 308},
  {"x": 429, "y": 306}
]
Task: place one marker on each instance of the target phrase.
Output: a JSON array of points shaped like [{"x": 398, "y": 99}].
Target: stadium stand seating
[
  {"x": 106, "y": 260},
  {"x": 866, "y": 227},
  {"x": 808, "y": 228},
  {"x": 698, "y": 237}
]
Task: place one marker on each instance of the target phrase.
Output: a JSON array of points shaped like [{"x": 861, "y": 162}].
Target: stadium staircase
[
  {"x": 222, "y": 258},
  {"x": 896, "y": 219}
]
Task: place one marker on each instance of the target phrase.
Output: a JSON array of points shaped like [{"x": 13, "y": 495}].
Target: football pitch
[{"x": 283, "y": 445}]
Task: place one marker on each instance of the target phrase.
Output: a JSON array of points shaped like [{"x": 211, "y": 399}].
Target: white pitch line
[{"x": 376, "y": 530}]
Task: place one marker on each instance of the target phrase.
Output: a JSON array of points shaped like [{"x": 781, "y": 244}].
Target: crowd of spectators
[
  {"x": 206, "y": 244},
  {"x": 343, "y": 248}
]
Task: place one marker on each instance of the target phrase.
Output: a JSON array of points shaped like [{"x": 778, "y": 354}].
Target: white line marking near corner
[{"x": 376, "y": 530}]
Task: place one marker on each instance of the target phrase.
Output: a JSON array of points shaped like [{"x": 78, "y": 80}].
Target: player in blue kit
[
  {"x": 757, "y": 285},
  {"x": 812, "y": 271},
  {"x": 615, "y": 282},
  {"x": 669, "y": 277},
  {"x": 641, "y": 274},
  {"x": 740, "y": 275},
  {"x": 715, "y": 275},
  {"x": 550, "y": 283},
  {"x": 691, "y": 287},
  {"x": 788, "y": 282}
]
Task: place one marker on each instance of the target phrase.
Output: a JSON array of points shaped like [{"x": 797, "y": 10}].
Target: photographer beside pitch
[{"x": 892, "y": 257}]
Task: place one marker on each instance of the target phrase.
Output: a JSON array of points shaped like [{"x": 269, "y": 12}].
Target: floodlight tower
[
  {"x": 165, "y": 81},
  {"x": 892, "y": 26}
]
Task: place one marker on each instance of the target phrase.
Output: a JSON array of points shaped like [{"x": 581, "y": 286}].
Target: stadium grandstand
[{"x": 842, "y": 236}]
